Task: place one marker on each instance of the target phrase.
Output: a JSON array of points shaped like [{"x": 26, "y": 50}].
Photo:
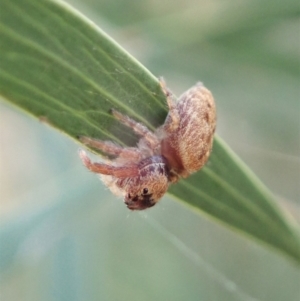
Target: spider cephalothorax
[
  {"x": 149, "y": 186},
  {"x": 178, "y": 148}
]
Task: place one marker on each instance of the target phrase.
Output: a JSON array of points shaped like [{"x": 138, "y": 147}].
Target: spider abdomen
[{"x": 189, "y": 145}]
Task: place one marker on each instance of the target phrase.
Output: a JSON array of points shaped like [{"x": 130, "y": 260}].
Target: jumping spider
[{"x": 179, "y": 147}]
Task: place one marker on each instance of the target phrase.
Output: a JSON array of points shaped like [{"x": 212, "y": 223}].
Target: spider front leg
[
  {"x": 108, "y": 147},
  {"x": 173, "y": 118},
  {"x": 126, "y": 171}
]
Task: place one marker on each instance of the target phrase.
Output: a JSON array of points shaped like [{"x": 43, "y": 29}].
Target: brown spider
[{"x": 179, "y": 147}]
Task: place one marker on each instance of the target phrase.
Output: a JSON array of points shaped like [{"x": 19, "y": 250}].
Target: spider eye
[
  {"x": 145, "y": 190},
  {"x": 129, "y": 195}
]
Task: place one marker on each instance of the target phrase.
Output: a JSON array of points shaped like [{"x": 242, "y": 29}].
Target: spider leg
[
  {"x": 138, "y": 128},
  {"x": 111, "y": 148},
  {"x": 173, "y": 115},
  {"x": 106, "y": 169}
]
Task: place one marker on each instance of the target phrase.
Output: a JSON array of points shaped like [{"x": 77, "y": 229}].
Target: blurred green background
[{"x": 65, "y": 237}]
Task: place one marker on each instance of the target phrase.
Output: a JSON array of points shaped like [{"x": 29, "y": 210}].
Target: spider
[{"x": 178, "y": 148}]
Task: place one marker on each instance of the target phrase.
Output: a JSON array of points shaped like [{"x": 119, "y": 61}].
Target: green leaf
[{"x": 58, "y": 66}]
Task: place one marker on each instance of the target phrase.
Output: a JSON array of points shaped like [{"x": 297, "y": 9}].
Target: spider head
[
  {"x": 145, "y": 190},
  {"x": 139, "y": 201}
]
